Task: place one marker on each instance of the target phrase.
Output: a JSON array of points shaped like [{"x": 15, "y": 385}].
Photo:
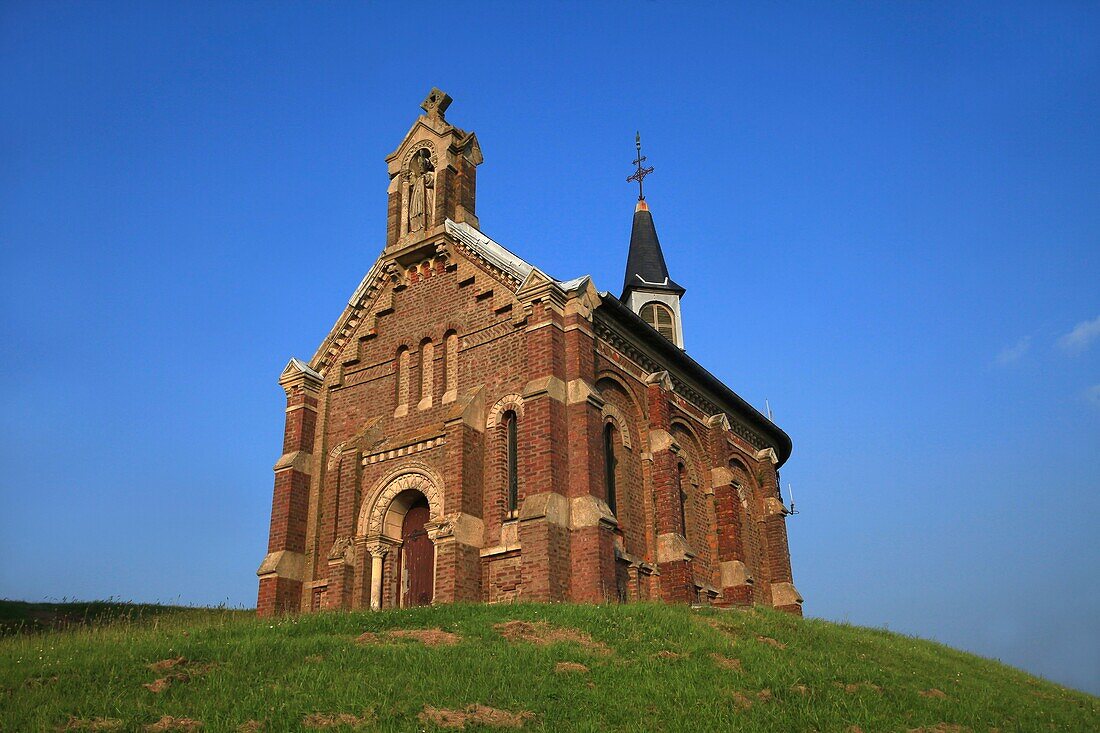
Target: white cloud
[
  {"x": 1012, "y": 354},
  {"x": 1092, "y": 395},
  {"x": 1083, "y": 334}
]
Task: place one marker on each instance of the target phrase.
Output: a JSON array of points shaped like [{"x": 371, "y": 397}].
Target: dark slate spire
[{"x": 645, "y": 265}]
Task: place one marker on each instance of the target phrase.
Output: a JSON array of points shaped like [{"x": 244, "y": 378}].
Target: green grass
[
  {"x": 279, "y": 671},
  {"x": 17, "y": 617}
]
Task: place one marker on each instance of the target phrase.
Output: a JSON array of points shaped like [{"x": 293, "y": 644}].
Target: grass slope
[{"x": 657, "y": 672}]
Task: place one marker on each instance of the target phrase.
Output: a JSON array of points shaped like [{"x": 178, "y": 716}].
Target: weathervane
[{"x": 641, "y": 172}]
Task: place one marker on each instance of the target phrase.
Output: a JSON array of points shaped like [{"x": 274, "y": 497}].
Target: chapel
[{"x": 474, "y": 429}]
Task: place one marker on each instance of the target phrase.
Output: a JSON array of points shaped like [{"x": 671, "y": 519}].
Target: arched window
[
  {"x": 511, "y": 459},
  {"x": 660, "y": 317},
  {"x": 609, "y": 462},
  {"x": 682, "y": 497},
  {"x": 402, "y": 381}
]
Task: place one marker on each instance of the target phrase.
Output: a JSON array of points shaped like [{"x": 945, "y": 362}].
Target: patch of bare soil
[
  {"x": 75, "y": 723},
  {"x": 474, "y": 715},
  {"x": 442, "y": 717},
  {"x": 855, "y": 729},
  {"x": 163, "y": 683},
  {"x": 40, "y": 681},
  {"x": 319, "y": 721},
  {"x": 720, "y": 627},
  {"x": 800, "y": 689},
  {"x": 313, "y": 659},
  {"x": 427, "y": 637},
  {"x": 666, "y": 654},
  {"x": 771, "y": 642},
  {"x": 176, "y": 725},
  {"x": 164, "y": 664},
  {"x": 251, "y": 726},
  {"x": 726, "y": 662},
  {"x": 542, "y": 633},
  {"x": 940, "y": 728},
  {"x": 854, "y": 687},
  {"x": 744, "y": 702},
  {"x": 568, "y": 667},
  {"x": 940, "y": 694}
]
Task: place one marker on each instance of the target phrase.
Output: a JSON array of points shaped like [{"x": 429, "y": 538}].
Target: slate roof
[{"x": 645, "y": 264}]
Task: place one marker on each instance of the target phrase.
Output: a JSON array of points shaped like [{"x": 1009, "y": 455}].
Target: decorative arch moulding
[
  {"x": 512, "y": 402},
  {"x": 414, "y": 477}
]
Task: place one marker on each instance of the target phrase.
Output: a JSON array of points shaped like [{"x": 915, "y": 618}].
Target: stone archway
[{"x": 382, "y": 524}]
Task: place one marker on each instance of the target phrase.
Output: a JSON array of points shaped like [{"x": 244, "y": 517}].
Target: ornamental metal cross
[{"x": 641, "y": 172}]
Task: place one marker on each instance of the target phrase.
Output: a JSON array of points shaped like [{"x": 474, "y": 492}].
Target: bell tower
[
  {"x": 647, "y": 288},
  {"x": 432, "y": 176}
]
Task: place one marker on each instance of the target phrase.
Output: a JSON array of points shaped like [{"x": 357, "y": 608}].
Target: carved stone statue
[{"x": 421, "y": 191}]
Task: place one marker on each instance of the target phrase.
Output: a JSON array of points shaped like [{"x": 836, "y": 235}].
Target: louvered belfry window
[{"x": 660, "y": 317}]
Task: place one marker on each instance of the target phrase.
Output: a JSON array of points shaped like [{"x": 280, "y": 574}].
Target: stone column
[
  {"x": 283, "y": 570},
  {"x": 378, "y": 551}
]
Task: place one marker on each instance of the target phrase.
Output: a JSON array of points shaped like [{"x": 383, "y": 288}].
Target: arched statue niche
[{"x": 419, "y": 192}]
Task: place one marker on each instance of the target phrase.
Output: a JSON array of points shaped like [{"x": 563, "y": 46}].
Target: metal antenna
[{"x": 641, "y": 172}]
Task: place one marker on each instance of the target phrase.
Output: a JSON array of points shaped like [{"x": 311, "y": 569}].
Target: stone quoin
[{"x": 473, "y": 429}]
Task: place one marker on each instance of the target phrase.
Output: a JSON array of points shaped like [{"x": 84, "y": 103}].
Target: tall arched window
[
  {"x": 609, "y": 461},
  {"x": 660, "y": 317},
  {"x": 683, "y": 498},
  {"x": 511, "y": 459}
]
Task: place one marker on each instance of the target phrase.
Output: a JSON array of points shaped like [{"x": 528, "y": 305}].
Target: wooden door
[{"x": 418, "y": 554}]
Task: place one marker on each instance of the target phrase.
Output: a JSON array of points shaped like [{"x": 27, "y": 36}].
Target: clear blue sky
[{"x": 887, "y": 217}]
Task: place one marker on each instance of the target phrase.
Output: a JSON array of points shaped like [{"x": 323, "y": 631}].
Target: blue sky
[{"x": 887, "y": 218}]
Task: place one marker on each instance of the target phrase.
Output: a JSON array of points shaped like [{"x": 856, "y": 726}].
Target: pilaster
[
  {"x": 283, "y": 570},
  {"x": 782, "y": 593},
  {"x": 544, "y": 507},
  {"x": 593, "y": 527},
  {"x": 677, "y": 582}
]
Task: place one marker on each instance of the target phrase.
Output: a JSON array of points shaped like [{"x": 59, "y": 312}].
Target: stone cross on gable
[{"x": 436, "y": 103}]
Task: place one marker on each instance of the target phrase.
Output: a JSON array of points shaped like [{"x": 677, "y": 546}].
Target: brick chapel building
[{"x": 473, "y": 429}]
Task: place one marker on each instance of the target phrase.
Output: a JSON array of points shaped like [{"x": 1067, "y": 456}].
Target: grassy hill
[{"x": 643, "y": 667}]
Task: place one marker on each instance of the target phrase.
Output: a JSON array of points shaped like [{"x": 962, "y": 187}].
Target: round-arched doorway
[
  {"x": 405, "y": 504},
  {"x": 417, "y": 557}
]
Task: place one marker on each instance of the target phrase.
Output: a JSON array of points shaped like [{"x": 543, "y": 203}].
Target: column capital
[{"x": 378, "y": 546}]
